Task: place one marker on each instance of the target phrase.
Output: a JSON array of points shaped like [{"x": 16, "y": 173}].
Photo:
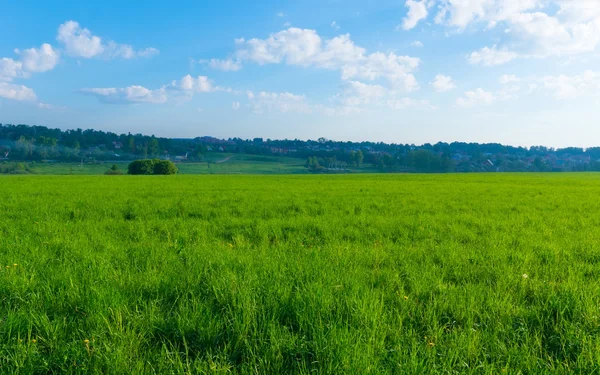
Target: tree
[
  {"x": 141, "y": 167},
  {"x": 313, "y": 164},
  {"x": 153, "y": 147},
  {"x": 114, "y": 170},
  {"x": 358, "y": 157},
  {"x": 165, "y": 167}
]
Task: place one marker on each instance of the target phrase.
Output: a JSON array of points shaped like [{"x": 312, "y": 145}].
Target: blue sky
[{"x": 521, "y": 72}]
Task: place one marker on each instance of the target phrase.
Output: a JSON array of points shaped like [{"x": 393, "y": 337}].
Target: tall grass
[{"x": 481, "y": 274}]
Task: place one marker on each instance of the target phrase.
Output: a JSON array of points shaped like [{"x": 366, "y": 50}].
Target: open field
[
  {"x": 369, "y": 274},
  {"x": 214, "y": 163}
]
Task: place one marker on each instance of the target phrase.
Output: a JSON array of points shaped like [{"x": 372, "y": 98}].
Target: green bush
[
  {"x": 113, "y": 171},
  {"x": 165, "y": 167},
  {"x": 141, "y": 167},
  {"x": 152, "y": 166}
]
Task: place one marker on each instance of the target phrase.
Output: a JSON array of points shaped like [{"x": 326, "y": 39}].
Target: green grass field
[
  {"x": 214, "y": 163},
  {"x": 347, "y": 274}
]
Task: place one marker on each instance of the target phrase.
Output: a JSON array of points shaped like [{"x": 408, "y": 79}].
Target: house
[{"x": 181, "y": 157}]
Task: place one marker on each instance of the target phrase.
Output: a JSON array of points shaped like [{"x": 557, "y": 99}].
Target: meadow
[{"x": 344, "y": 274}]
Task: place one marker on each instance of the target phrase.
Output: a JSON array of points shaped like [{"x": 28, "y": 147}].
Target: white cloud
[
  {"x": 417, "y": 10},
  {"x": 148, "y": 52},
  {"x": 183, "y": 88},
  {"x": 198, "y": 84},
  {"x": 10, "y": 69},
  {"x": 335, "y": 26},
  {"x": 235, "y": 106},
  {"x": 357, "y": 93},
  {"x": 306, "y": 48},
  {"x": 131, "y": 94},
  {"x": 416, "y": 43},
  {"x": 443, "y": 83},
  {"x": 403, "y": 103},
  {"x": 228, "y": 65},
  {"x": 79, "y": 42},
  {"x": 492, "y": 56},
  {"x": 570, "y": 87},
  {"x": 16, "y": 92},
  {"x": 278, "y": 102},
  {"x": 473, "y": 98},
  {"x": 536, "y": 28},
  {"x": 45, "y": 106},
  {"x": 508, "y": 78},
  {"x": 39, "y": 60},
  {"x": 280, "y": 14}
]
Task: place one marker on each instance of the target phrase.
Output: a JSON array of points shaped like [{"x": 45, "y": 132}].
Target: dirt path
[{"x": 224, "y": 160}]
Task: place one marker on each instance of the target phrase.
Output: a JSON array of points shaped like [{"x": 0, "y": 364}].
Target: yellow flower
[
  {"x": 7, "y": 266},
  {"x": 431, "y": 344},
  {"x": 525, "y": 276},
  {"x": 14, "y": 265},
  {"x": 86, "y": 341},
  {"x": 34, "y": 340},
  {"x": 406, "y": 298}
]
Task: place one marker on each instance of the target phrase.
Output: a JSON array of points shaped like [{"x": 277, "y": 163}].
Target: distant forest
[{"x": 25, "y": 143}]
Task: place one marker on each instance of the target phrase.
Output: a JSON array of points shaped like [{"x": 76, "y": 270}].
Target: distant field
[
  {"x": 347, "y": 274},
  {"x": 216, "y": 163}
]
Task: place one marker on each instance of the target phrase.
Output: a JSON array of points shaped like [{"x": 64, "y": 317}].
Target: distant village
[{"x": 41, "y": 144}]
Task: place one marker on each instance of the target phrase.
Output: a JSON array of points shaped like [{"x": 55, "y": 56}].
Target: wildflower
[
  {"x": 7, "y": 266},
  {"x": 431, "y": 344},
  {"x": 525, "y": 276},
  {"x": 406, "y": 298},
  {"x": 34, "y": 340},
  {"x": 14, "y": 265},
  {"x": 86, "y": 341},
  {"x": 230, "y": 245}
]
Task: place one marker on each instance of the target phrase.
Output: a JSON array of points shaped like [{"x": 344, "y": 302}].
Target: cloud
[
  {"x": 536, "y": 28},
  {"x": 79, "y": 42},
  {"x": 197, "y": 84},
  {"x": 508, "y": 78},
  {"x": 304, "y": 47},
  {"x": 280, "y": 14},
  {"x": 403, "y": 103},
  {"x": 358, "y": 97},
  {"x": 278, "y": 102},
  {"x": 183, "y": 88},
  {"x": 335, "y": 26},
  {"x": 357, "y": 93},
  {"x": 39, "y": 60},
  {"x": 417, "y": 10},
  {"x": 228, "y": 65},
  {"x": 443, "y": 83},
  {"x": 10, "y": 69},
  {"x": 45, "y": 106},
  {"x": 491, "y": 56},
  {"x": 473, "y": 98},
  {"x": 571, "y": 87},
  {"x": 235, "y": 106},
  {"x": 131, "y": 94},
  {"x": 16, "y": 92},
  {"x": 416, "y": 43}
]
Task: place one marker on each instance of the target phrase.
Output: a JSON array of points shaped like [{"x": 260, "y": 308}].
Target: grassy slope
[
  {"x": 220, "y": 163},
  {"x": 292, "y": 274}
]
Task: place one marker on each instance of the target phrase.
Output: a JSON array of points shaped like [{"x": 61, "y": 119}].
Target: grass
[
  {"x": 347, "y": 274},
  {"x": 214, "y": 163}
]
